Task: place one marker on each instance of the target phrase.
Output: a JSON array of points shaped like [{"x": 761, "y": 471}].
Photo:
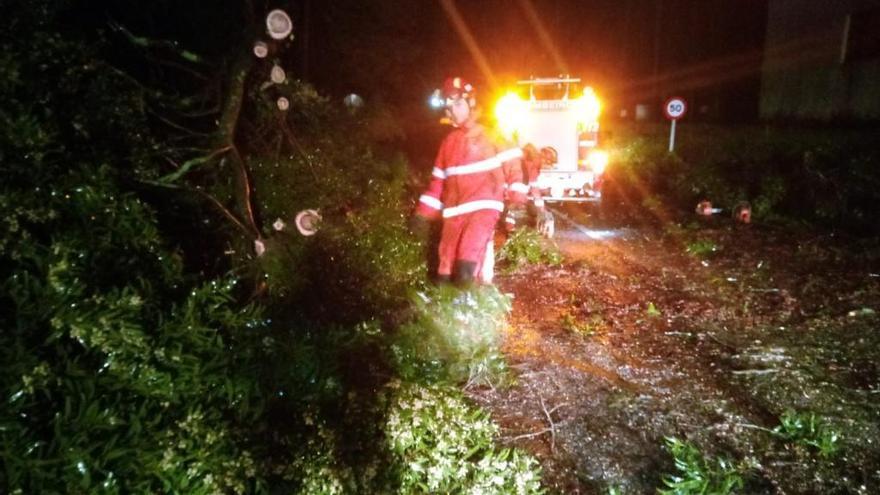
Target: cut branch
[
  {"x": 552, "y": 426},
  {"x": 189, "y": 164},
  {"x": 246, "y": 189},
  {"x": 551, "y": 429},
  {"x": 222, "y": 208},
  {"x": 181, "y": 67},
  {"x": 144, "y": 42},
  {"x": 200, "y": 113},
  {"x": 227, "y": 131},
  {"x": 527, "y": 435},
  {"x": 177, "y": 126},
  {"x": 214, "y": 201},
  {"x": 232, "y": 108},
  {"x": 297, "y": 146}
]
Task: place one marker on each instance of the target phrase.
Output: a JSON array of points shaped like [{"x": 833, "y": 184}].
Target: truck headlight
[
  {"x": 598, "y": 160},
  {"x": 511, "y": 113},
  {"x": 588, "y": 107}
]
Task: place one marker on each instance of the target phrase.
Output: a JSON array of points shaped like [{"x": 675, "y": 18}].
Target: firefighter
[
  {"x": 474, "y": 174},
  {"x": 532, "y": 162}
]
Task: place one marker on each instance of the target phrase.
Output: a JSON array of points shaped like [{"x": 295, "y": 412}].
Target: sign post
[{"x": 674, "y": 108}]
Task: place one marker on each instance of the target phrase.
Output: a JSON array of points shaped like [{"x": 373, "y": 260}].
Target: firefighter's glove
[
  {"x": 419, "y": 227},
  {"x": 516, "y": 209},
  {"x": 509, "y": 222}
]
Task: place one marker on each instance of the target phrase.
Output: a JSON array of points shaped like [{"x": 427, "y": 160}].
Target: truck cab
[{"x": 559, "y": 114}]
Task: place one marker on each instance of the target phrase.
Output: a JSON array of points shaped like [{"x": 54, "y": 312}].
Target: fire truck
[{"x": 561, "y": 118}]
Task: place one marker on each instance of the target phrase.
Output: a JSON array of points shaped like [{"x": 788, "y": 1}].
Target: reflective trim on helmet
[
  {"x": 519, "y": 187},
  {"x": 431, "y": 201},
  {"x": 472, "y": 206},
  {"x": 438, "y": 173},
  {"x": 456, "y": 87}
]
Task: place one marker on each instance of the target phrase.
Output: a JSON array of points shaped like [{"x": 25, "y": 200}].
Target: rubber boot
[{"x": 463, "y": 273}]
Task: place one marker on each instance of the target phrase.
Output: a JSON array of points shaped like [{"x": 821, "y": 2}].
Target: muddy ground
[{"x": 704, "y": 331}]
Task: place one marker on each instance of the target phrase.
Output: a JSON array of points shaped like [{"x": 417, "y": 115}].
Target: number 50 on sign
[{"x": 674, "y": 108}]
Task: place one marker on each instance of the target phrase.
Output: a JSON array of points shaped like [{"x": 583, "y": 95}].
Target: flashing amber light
[
  {"x": 511, "y": 113},
  {"x": 588, "y": 106},
  {"x": 598, "y": 160}
]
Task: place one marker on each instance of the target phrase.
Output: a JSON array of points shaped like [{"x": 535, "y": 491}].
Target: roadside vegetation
[
  {"x": 525, "y": 247},
  {"x": 789, "y": 175},
  {"x": 164, "y": 326}
]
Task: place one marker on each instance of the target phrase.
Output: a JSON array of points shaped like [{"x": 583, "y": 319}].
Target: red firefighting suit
[
  {"x": 531, "y": 167},
  {"x": 474, "y": 174},
  {"x": 531, "y": 170}
]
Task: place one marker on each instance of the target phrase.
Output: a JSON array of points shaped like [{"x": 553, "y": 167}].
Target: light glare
[
  {"x": 598, "y": 160},
  {"x": 588, "y": 107},
  {"x": 511, "y": 114}
]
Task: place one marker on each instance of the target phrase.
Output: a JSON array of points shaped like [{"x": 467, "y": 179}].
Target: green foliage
[
  {"x": 359, "y": 265},
  {"x": 117, "y": 366},
  {"x": 642, "y": 170},
  {"x": 361, "y": 262},
  {"x": 365, "y": 262},
  {"x": 443, "y": 445},
  {"x": 455, "y": 335},
  {"x": 120, "y": 371},
  {"x": 808, "y": 430},
  {"x": 583, "y": 328},
  {"x": 526, "y": 247},
  {"x": 317, "y": 469},
  {"x": 130, "y": 358},
  {"x": 699, "y": 475},
  {"x": 652, "y": 311},
  {"x": 823, "y": 176},
  {"x": 702, "y": 248},
  {"x": 771, "y": 195}
]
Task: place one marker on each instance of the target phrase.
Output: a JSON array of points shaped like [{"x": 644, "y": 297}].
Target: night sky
[{"x": 632, "y": 51}]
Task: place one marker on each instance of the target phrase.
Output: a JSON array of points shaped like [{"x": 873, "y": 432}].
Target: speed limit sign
[{"x": 675, "y": 108}]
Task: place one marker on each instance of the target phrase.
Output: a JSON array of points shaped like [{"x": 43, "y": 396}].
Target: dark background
[
  {"x": 631, "y": 51},
  {"x": 395, "y": 52}
]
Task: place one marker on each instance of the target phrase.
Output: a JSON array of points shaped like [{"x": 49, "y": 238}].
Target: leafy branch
[{"x": 145, "y": 42}]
